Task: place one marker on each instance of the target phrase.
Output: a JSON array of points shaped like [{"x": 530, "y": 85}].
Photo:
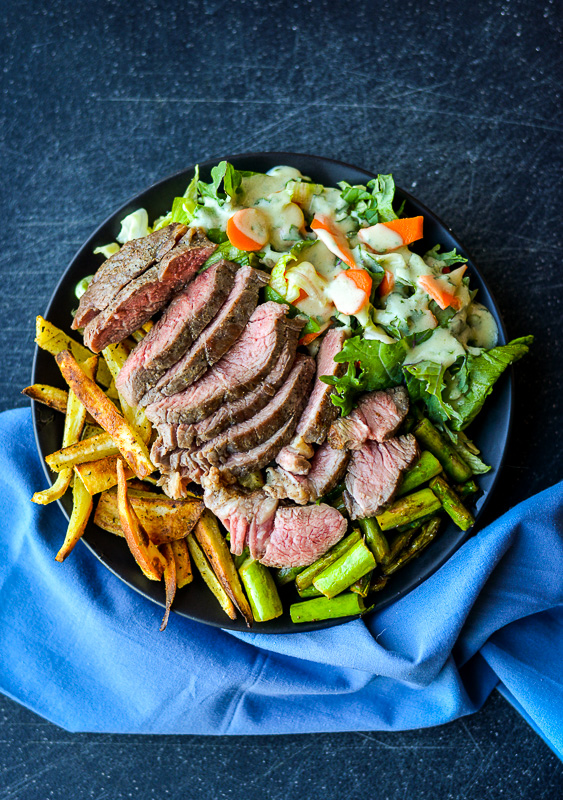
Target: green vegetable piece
[
  {"x": 252, "y": 480},
  {"x": 362, "y": 585},
  {"x": 452, "y": 504},
  {"x": 416, "y": 546},
  {"x": 306, "y": 577},
  {"x": 374, "y": 537},
  {"x": 82, "y": 285},
  {"x": 401, "y": 540},
  {"x": 425, "y": 468},
  {"x": 378, "y": 583},
  {"x": 261, "y": 591},
  {"x": 409, "y": 509},
  {"x": 345, "y": 605},
  {"x": 349, "y": 568},
  {"x": 466, "y": 489},
  {"x": 310, "y": 591},
  {"x": 287, "y": 575},
  {"x": 451, "y": 461}
]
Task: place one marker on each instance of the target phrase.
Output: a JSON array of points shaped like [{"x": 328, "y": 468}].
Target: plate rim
[{"x": 461, "y": 539}]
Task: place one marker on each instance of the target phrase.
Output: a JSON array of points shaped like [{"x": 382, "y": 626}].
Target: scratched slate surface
[{"x": 460, "y": 101}]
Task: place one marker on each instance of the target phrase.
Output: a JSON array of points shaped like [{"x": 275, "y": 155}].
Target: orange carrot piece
[
  {"x": 387, "y": 284},
  {"x": 243, "y": 221},
  {"x": 437, "y": 292},
  {"x": 361, "y": 278},
  {"x": 409, "y": 228},
  {"x": 333, "y": 239}
]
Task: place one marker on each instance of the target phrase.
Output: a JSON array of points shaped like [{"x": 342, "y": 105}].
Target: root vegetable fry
[
  {"x": 183, "y": 564},
  {"x": 345, "y": 605},
  {"x": 261, "y": 591},
  {"x": 81, "y": 510},
  {"x": 248, "y": 230},
  {"x": 452, "y": 504},
  {"x": 423, "y": 470},
  {"x": 409, "y": 509},
  {"x": 170, "y": 582},
  {"x": 100, "y": 475},
  {"x": 414, "y": 549},
  {"x": 132, "y": 448},
  {"x": 52, "y": 339},
  {"x": 375, "y": 538},
  {"x": 306, "y": 577},
  {"x": 48, "y": 396},
  {"x": 349, "y": 568},
  {"x": 74, "y": 425},
  {"x": 199, "y": 559},
  {"x": 115, "y": 356},
  {"x": 92, "y": 449},
  {"x": 218, "y": 554},
  {"x": 146, "y": 554},
  {"x": 431, "y": 438},
  {"x": 140, "y": 334},
  {"x": 163, "y": 519}
]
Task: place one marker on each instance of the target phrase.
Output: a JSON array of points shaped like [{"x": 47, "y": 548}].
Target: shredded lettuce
[
  {"x": 278, "y": 280},
  {"x": 134, "y": 226},
  {"x": 230, "y": 253},
  {"x": 183, "y": 208},
  {"x": 372, "y": 203},
  {"x": 447, "y": 259},
  {"x": 107, "y": 250}
]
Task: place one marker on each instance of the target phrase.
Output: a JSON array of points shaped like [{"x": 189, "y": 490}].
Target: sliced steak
[
  {"x": 248, "y": 516},
  {"x": 128, "y": 263},
  {"x": 319, "y": 411},
  {"x": 240, "y": 464},
  {"x": 295, "y": 457},
  {"x": 287, "y": 403},
  {"x": 182, "y": 322},
  {"x": 240, "y": 370},
  {"x": 216, "y": 338},
  {"x": 377, "y": 418},
  {"x": 303, "y": 534},
  {"x": 327, "y": 469},
  {"x": 145, "y": 295},
  {"x": 375, "y": 472}
]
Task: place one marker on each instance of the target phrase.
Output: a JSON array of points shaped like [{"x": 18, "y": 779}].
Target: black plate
[{"x": 195, "y": 601}]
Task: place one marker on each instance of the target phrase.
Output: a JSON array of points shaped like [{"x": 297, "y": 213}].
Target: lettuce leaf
[
  {"x": 380, "y": 367},
  {"x": 373, "y": 203},
  {"x": 466, "y": 449},
  {"x": 446, "y": 258},
  {"x": 230, "y": 253},
  {"x": 183, "y": 208},
  {"x": 134, "y": 226},
  {"x": 231, "y": 178}
]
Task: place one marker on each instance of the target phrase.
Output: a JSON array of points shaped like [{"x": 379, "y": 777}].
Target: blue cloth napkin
[{"x": 83, "y": 650}]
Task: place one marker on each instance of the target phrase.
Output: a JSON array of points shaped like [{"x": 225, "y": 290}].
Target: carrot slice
[
  {"x": 437, "y": 292},
  {"x": 247, "y": 229},
  {"x": 332, "y": 238},
  {"x": 361, "y": 278},
  {"x": 387, "y": 284},
  {"x": 409, "y": 228}
]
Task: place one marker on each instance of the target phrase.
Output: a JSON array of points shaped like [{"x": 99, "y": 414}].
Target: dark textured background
[{"x": 460, "y": 101}]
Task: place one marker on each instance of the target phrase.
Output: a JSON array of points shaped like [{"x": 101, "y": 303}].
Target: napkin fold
[{"x": 83, "y": 650}]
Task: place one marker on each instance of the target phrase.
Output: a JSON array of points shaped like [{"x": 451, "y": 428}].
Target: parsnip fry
[
  {"x": 183, "y": 563},
  {"x": 92, "y": 449},
  {"x": 52, "y": 339},
  {"x": 163, "y": 519},
  {"x": 56, "y": 491},
  {"x": 217, "y": 551},
  {"x": 208, "y": 576},
  {"x": 116, "y": 356},
  {"x": 81, "y": 510},
  {"x": 142, "y": 332},
  {"x": 74, "y": 425},
  {"x": 132, "y": 448},
  {"x": 146, "y": 554},
  {"x": 170, "y": 581},
  {"x": 48, "y": 395},
  {"x": 99, "y": 476}
]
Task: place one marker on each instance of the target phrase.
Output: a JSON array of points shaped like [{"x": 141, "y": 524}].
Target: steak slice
[
  {"x": 240, "y": 464},
  {"x": 142, "y": 297},
  {"x": 242, "y": 368},
  {"x": 302, "y": 534},
  {"x": 182, "y": 322},
  {"x": 216, "y": 338},
  {"x": 248, "y": 516},
  {"x": 327, "y": 469},
  {"x": 287, "y": 403},
  {"x": 375, "y": 472},
  {"x": 128, "y": 263},
  {"x": 378, "y": 417},
  {"x": 319, "y": 411}
]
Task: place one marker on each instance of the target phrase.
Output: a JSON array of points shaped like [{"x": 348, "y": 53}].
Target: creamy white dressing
[
  {"x": 441, "y": 347},
  {"x": 345, "y": 295},
  {"x": 482, "y": 326},
  {"x": 380, "y": 238}
]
